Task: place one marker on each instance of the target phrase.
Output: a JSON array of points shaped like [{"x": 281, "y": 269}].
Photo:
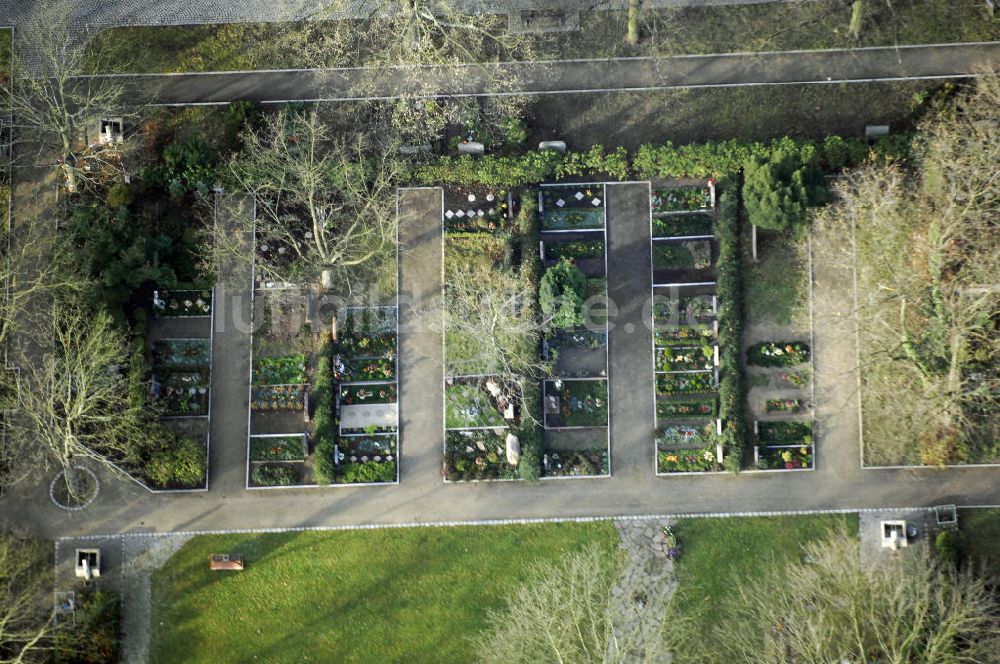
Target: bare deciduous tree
[
  {"x": 928, "y": 288},
  {"x": 325, "y": 204},
  {"x": 72, "y": 400},
  {"x": 56, "y": 108},
  {"x": 562, "y": 613},
  {"x": 25, "y": 600},
  {"x": 830, "y": 608}
]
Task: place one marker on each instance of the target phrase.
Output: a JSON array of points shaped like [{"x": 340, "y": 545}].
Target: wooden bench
[{"x": 224, "y": 561}]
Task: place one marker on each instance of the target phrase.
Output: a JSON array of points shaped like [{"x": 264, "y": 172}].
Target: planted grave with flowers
[
  {"x": 347, "y": 370},
  {"x": 575, "y": 403},
  {"x": 278, "y": 448},
  {"x": 685, "y": 434},
  {"x": 684, "y": 335},
  {"x": 362, "y": 394},
  {"x": 571, "y": 463},
  {"x": 480, "y": 454},
  {"x": 685, "y": 383},
  {"x": 477, "y": 210},
  {"x": 687, "y": 460},
  {"x": 785, "y": 458},
  {"x": 182, "y": 303},
  {"x": 366, "y": 449},
  {"x": 685, "y": 358},
  {"x": 778, "y": 353},
  {"x": 572, "y": 207},
  {"x": 784, "y": 405},
  {"x": 265, "y": 398},
  {"x": 681, "y": 199},
  {"x": 686, "y": 409}
]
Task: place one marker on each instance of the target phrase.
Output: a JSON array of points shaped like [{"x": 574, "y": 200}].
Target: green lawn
[
  {"x": 407, "y": 595},
  {"x": 777, "y": 286},
  {"x": 980, "y": 530},
  {"x": 720, "y": 554}
]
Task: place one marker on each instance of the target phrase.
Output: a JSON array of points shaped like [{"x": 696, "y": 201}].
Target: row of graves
[
  {"x": 685, "y": 329},
  {"x": 486, "y": 416}
]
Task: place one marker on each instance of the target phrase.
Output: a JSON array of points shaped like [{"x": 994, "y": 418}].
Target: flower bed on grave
[
  {"x": 572, "y": 207},
  {"x": 685, "y": 335},
  {"x": 682, "y": 225},
  {"x": 367, "y": 333},
  {"x": 470, "y": 404},
  {"x": 785, "y": 458},
  {"x": 282, "y": 370},
  {"x": 572, "y": 463},
  {"x": 577, "y": 403},
  {"x": 683, "y": 310},
  {"x": 573, "y": 220},
  {"x": 784, "y": 433},
  {"x": 684, "y": 255},
  {"x": 784, "y": 405},
  {"x": 182, "y": 353},
  {"x": 366, "y": 459},
  {"x": 686, "y": 409},
  {"x": 182, "y": 393},
  {"x": 276, "y": 474},
  {"x": 574, "y": 250},
  {"x": 278, "y": 448},
  {"x": 364, "y": 369},
  {"x": 476, "y": 210},
  {"x": 685, "y": 383},
  {"x": 685, "y": 358},
  {"x": 168, "y": 304},
  {"x": 685, "y": 434},
  {"x": 267, "y": 398},
  {"x": 686, "y": 460},
  {"x": 562, "y": 339},
  {"x": 362, "y": 394},
  {"x": 681, "y": 199},
  {"x": 479, "y": 454},
  {"x": 778, "y": 353}
]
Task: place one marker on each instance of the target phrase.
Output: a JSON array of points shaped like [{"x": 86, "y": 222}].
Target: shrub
[
  {"x": 119, "y": 195},
  {"x": 732, "y": 394},
  {"x": 779, "y": 189},
  {"x": 324, "y": 467},
  {"x": 182, "y": 463},
  {"x": 94, "y": 636},
  {"x": 560, "y": 294},
  {"x": 513, "y": 130},
  {"x": 367, "y": 473},
  {"x": 530, "y": 466},
  {"x": 948, "y": 547},
  {"x": 274, "y": 474}
]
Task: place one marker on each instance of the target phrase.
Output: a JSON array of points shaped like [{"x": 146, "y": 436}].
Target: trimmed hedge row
[
  {"x": 324, "y": 429},
  {"x": 694, "y": 160},
  {"x": 530, "y": 435},
  {"x": 729, "y": 287}
]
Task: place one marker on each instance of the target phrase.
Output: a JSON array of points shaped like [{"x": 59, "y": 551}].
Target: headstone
[
  {"x": 553, "y": 146},
  {"x": 513, "y": 450},
  {"x": 471, "y": 147},
  {"x": 873, "y": 132}
]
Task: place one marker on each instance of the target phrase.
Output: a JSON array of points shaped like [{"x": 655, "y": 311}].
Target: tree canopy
[{"x": 779, "y": 190}]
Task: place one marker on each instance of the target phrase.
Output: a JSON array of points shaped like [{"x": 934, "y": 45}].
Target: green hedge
[
  {"x": 695, "y": 160},
  {"x": 324, "y": 427},
  {"x": 729, "y": 288}
]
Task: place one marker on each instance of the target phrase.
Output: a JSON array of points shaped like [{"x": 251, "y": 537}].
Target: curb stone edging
[{"x": 52, "y": 488}]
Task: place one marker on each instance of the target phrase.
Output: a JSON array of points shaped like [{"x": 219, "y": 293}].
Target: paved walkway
[
  {"x": 630, "y": 342},
  {"x": 572, "y": 76}
]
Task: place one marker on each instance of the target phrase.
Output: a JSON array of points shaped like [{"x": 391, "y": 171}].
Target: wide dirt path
[{"x": 572, "y": 76}]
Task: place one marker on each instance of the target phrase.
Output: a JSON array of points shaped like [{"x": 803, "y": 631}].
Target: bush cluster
[
  {"x": 732, "y": 401},
  {"x": 324, "y": 429}
]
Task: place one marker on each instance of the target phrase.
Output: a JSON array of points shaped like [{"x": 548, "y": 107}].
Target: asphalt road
[{"x": 571, "y": 76}]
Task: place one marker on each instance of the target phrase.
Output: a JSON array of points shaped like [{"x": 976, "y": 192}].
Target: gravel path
[{"x": 639, "y": 601}]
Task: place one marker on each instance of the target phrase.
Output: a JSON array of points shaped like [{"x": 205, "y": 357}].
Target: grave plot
[
  {"x": 783, "y": 438},
  {"x": 685, "y": 330},
  {"x": 178, "y": 344},
  {"x": 474, "y": 209},
  {"x": 525, "y": 305},
  {"x": 322, "y": 393}
]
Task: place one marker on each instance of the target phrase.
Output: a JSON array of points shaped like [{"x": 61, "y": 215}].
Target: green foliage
[
  {"x": 119, "y": 195},
  {"x": 94, "y": 637},
  {"x": 778, "y": 190},
  {"x": 368, "y": 472},
  {"x": 703, "y": 160},
  {"x": 732, "y": 388},
  {"x": 274, "y": 474},
  {"x": 324, "y": 429},
  {"x": 560, "y": 294},
  {"x": 948, "y": 547},
  {"x": 514, "y": 131},
  {"x": 177, "y": 463},
  {"x": 594, "y": 162}
]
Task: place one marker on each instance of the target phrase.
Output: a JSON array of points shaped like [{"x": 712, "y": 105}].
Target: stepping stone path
[{"x": 639, "y": 600}]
